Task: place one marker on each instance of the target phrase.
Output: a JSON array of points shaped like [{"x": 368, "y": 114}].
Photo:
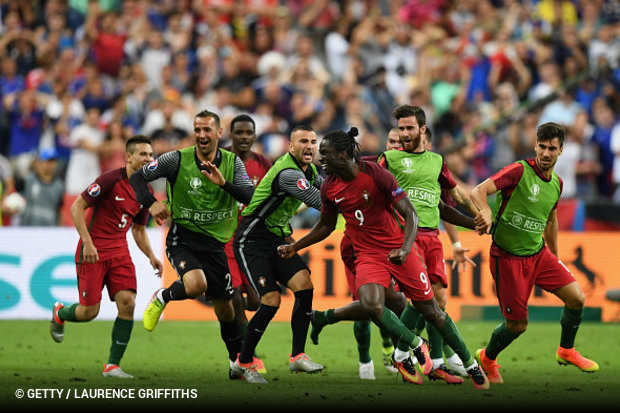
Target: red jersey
[
  {"x": 366, "y": 204},
  {"x": 256, "y": 167},
  {"x": 113, "y": 208}
]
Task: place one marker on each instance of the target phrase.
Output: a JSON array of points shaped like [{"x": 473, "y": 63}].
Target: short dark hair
[
  {"x": 303, "y": 126},
  {"x": 548, "y": 131},
  {"x": 130, "y": 145},
  {"x": 241, "y": 118},
  {"x": 405, "y": 111},
  {"x": 345, "y": 142},
  {"x": 209, "y": 114}
]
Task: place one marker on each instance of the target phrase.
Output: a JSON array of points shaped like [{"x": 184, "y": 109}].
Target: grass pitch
[{"x": 192, "y": 357}]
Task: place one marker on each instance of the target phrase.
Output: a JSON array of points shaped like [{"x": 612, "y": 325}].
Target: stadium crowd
[{"x": 79, "y": 77}]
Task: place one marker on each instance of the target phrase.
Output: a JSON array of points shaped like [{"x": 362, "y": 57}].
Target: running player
[
  {"x": 102, "y": 215},
  {"x": 524, "y": 252}
]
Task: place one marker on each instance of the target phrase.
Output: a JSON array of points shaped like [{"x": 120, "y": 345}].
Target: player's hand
[
  {"x": 483, "y": 221},
  {"x": 157, "y": 266},
  {"x": 459, "y": 259},
  {"x": 213, "y": 173},
  {"x": 160, "y": 212},
  {"x": 398, "y": 256},
  {"x": 90, "y": 253},
  {"x": 286, "y": 251}
]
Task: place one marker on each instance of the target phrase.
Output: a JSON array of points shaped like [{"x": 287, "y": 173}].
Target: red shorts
[
  {"x": 117, "y": 274},
  {"x": 430, "y": 248},
  {"x": 237, "y": 276},
  {"x": 410, "y": 277},
  {"x": 515, "y": 277}
]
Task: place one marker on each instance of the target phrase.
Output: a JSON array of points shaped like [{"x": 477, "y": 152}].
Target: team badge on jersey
[
  {"x": 153, "y": 165},
  {"x": 94, "y": 189},
  {"x": 397, "y": 191},
  {"x": 303, "y": 184},
  {"x": 366, "y": 196}
]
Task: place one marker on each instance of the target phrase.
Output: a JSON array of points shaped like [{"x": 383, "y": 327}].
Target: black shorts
[
  {"x": 256, "y": 251},
  {"x": 187, "y": 250}
]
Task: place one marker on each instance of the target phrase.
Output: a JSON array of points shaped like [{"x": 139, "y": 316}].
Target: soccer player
[
  {"x": 265, "y": 225},
  {"x": 102, "y": 215},
  {"x": 243, "y": 135},
  {"x": 423, "y": 174},
  {"x": 366, "y": 194},
  {"x": 524, "y": 250},
  {"x": 204, "y": 185}
]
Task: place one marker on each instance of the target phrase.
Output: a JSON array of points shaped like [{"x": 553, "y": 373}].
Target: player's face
[
  {"x": 206, "y": 135},
  {"x": 303, "y": 146},
  {"x": 547, "y": 153},
  {"x": 330, "y": 159},
  {"x": 393, "y": 141},
  {"x": 242, "y": 136},
  {"x": 426, "y": 144},
  {"x": 142, "y": 155},
  {"x": 409, "y": 133}
]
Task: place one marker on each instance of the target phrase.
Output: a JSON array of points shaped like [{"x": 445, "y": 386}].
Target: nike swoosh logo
[
  {"x": 427, "y": 292},
  {"x": 337, "y": 200},
  {"x": 120, "y": 343},
  {"x": 118, "y": 198}
]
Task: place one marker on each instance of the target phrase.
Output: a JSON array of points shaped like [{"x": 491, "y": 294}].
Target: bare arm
[
  {"x": 461, "y": 196},
  {"x": 89, "y": 253},
  {"x": 142, "y": 241},
  {"x": 451, "y": 215},
  {"x": 320, "y": 231},
  {"x": 458, "y": 252},
  {"x": 406, "y": 209},
  {"x": 551, "y": 232},
  {"x": 484, "y": 218}
]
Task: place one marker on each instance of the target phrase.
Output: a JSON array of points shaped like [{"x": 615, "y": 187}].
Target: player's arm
[
  {"x": 454, "y": 216},
  {"x": 295, "y": 184},
  {"x": 166, "y": 166},
  {"x": 142, "y": 241},
  {"x": 89, "y": 252},
  {"x": 406, "y": 210},
  {"x": 484, "y": 217},
  {"x": 320, "y": 231},
  {"x": 458, "y": 252},
  {"x": 241, "y": 188},
  {"x": 551, "y": 232}
]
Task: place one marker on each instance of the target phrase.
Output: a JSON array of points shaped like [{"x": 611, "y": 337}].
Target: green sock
[
  {"x": 361, "y": 330},
  {"x": 121, "y": 332},
  {"x": 68, "y": 313},
  {"x": 453, "y": 338},
  {"x": 435, "y": 342},
  {"x": 447, "y": 351},
  {"x": 420, "y": 325},
  {"x": 323, "y": 318},
  {"x": 570, "y": 322},
  {"x": 405, "y": 337},
  {"x": 500, "y": 339},
  {"x": 413, "y": 319},
  {"x": 386, "y": 338}
]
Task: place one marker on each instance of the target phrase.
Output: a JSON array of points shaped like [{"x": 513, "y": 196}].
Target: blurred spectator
[
  {"x": 107, "y": 38},
  {"x": 604, "y": 121},
  {"x": 43, "y": 191}
]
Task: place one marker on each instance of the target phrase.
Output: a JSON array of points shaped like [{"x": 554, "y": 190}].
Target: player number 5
[
  {"x": 123, "y": 222},
  {"x": 359, "y": 216}
]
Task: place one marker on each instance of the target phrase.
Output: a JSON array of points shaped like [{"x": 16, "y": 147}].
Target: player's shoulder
[
  {"x": 262, "y": 159},
  {"x": 112, "y": 176}
]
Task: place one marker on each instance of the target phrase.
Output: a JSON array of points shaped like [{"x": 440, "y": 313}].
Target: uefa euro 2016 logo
[{"x": 534, "y": 190}]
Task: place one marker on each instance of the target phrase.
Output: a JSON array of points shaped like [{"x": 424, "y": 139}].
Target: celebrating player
[
  {"x": 265, "y": 225},
  {"x": 204, "y": 185},
  {"x": 365, "y": 194},
  {"x": 102, "y": 215},
  {"x": 524, "y": 251},
  {"x": 242, "y": 135}
]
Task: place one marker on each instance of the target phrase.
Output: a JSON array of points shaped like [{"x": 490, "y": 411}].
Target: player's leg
[
  {"x": 362, "y": 332},
  {"x": 121, "y": 333},
  {"x": 302, "y": 288}
]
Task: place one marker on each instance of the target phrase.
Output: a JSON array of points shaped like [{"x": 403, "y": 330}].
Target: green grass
[{"x": 189, "y": 355}]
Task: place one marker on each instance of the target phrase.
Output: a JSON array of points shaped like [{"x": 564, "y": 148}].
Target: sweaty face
[
  {"x": 409, "y": 133},
  {"x": 206, "y": 135},
  {"x": 242, "y": 136},
  {"x": 547, "y": 153},
  {"x": 303, "y": 146}
]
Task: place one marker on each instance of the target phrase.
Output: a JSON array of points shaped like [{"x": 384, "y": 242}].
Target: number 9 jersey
[{"x": 113, "y": 208}]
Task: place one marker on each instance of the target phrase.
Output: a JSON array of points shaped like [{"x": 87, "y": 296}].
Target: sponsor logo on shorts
[
  {"x": 303, "y": 184},
  {"x": 94, "y": 189},
  {"x": 262, "y": 281},
  {"x": 182, "y": 265}
]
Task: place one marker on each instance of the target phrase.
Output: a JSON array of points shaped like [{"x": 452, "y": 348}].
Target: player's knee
[
  {"x": 374, "y": 311},
  {"x": 90, "y": 312},
  {"x": 195, "y": 288},
  {"x": 577, "y": 301},
  {"x": 517, "y": 327},
  {"x": 252, "y": 303},
  {"x": 271, "y": 299}
]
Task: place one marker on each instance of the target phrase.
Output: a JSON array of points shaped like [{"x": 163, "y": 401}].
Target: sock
[
  {"x": 396, "y": 329},
  {"x": 121, "y": 332},
  {"x": 361, "y": 331},
  {"x": 175, "y": 292},
  {"x": 409, "y": 318},
  {"x": 500, "y": 339},
  {"x": 386, "y": 339},
  {"x": 68, "y": 313},
  {"x": 300, "y": 320},
  {"x": 453, "y": 338},
  {"x": 400, "y": 355},
  {"x": 256, "y": 327},
  {"x": 231, "y": 335},
  {"x": 435, "y": 342},
  {"x": 570, "y": 322},
  {"x": 448, "y": 352}
]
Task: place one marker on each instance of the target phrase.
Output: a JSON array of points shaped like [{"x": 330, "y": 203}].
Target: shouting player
[{"x": 102, "y": 215}]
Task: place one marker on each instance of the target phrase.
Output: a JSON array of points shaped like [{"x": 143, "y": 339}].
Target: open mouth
[{"x": 308, "y": 156}]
